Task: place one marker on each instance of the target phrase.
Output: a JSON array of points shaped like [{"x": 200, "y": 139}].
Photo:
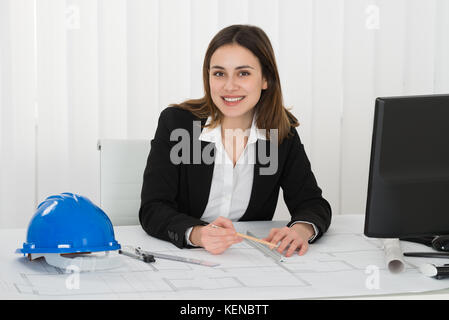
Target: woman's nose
[{"x": 231, "y": 84}]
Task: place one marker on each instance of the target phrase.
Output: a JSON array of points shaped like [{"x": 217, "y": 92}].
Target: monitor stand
[{"x": 426, "y": 240}]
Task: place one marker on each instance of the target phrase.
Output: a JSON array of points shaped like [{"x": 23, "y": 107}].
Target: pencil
[{"x": 271, "y": 245}]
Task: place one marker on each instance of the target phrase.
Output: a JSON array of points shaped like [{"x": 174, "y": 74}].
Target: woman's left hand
[{"x": 296, "y": 237}]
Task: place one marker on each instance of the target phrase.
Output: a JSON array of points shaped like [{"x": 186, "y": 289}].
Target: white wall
[{"x": 75, "y": 71}]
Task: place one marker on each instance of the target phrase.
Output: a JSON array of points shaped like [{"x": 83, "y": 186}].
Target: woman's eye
[{"x": 221, "y": 74}]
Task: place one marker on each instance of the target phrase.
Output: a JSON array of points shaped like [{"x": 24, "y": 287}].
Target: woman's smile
[{"x": 232, "y": 100}]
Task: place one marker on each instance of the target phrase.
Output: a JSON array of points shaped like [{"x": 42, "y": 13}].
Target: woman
[{"x": 190, "y": 200}]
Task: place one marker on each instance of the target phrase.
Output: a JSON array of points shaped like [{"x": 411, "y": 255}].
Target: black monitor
[{"x": 408, "y": 188}]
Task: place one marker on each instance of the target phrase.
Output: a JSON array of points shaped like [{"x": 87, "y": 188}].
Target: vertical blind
[{"x": 75, "y": 71}]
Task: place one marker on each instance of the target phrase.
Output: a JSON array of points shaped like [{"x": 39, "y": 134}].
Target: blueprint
[{"x": 342, "y": 263}]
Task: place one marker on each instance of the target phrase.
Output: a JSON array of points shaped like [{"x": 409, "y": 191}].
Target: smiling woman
[
  {"x": 236, "y": 84},
  {"x": 241, "y": 114},
  {"x": 240, "y": 64}
]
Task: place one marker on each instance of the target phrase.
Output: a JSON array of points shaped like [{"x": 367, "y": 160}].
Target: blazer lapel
[{"x": 200, "y": 179}]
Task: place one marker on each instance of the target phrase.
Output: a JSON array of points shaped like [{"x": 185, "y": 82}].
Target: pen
[{"x": 427, "y": 254}]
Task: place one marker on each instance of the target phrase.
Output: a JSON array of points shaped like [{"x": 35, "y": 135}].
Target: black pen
[{"x": 444, "y": 255}]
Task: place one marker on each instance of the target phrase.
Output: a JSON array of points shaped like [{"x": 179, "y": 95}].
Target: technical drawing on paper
[{"x": 334, "y": 266}]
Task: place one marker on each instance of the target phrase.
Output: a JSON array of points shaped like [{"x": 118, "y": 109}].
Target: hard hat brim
[{"x": 114, "y": 246}]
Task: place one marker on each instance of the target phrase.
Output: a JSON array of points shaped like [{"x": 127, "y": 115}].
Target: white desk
[{"x": 334, "y": 267}]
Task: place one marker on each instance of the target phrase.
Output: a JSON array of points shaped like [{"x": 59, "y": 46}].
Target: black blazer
[{"x": 174, "y": 197}]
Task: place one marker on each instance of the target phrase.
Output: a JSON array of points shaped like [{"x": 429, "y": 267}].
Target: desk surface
[{"x": 343, "y": 263}]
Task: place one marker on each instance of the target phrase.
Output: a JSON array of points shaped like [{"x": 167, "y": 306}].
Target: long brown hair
[{"x": 271, "y": 113}]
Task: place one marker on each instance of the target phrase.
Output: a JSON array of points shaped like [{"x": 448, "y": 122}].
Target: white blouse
[{"x": 231, "y": 186}]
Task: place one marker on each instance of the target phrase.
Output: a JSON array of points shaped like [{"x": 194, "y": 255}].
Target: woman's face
[{"x": 235, "y": 79}]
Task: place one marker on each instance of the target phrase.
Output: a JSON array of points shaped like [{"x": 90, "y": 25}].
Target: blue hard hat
[{"x": 69, "y": 223}]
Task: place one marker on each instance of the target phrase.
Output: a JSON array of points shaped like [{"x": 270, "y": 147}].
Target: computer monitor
[{"x": 408, "y": 188}]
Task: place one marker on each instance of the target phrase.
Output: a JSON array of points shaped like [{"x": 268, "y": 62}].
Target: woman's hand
[
  {"x": 296, "y": 237},
  {"x": 213, "y": 239}
]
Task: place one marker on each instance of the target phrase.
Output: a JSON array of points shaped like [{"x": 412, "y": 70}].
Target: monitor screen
[{"x": 408, "y": 187}]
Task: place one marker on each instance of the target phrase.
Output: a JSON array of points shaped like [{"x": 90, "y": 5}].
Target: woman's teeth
[{"x": 233, "y": 99}]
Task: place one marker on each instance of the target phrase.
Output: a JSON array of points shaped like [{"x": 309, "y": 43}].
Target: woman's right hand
[{"x": 215, "y": 240}]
